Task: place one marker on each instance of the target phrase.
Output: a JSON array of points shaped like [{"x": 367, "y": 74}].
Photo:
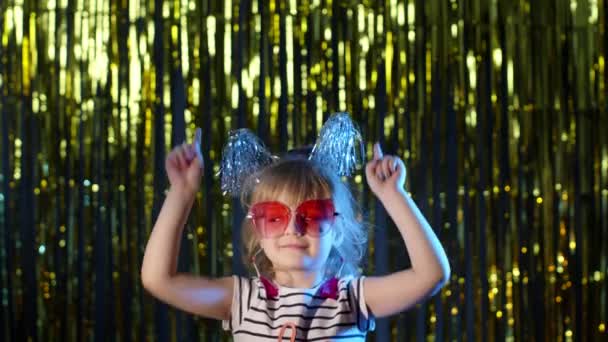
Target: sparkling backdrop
[{"x": 497, "y": 108}]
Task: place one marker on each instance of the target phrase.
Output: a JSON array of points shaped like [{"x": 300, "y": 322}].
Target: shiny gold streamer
[{"x": 82, "y": 83}]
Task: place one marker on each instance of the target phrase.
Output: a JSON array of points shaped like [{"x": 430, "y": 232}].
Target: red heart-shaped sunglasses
[{"x": 313, "y": 217}]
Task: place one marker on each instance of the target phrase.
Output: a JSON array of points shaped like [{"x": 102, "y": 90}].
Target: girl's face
[{"x": 293, "y": 250}]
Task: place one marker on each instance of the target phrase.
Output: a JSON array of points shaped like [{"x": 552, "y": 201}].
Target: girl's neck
[{"x": 298, "y": 279}]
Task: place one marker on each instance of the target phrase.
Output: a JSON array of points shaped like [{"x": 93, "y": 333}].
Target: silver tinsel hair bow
[
  {"x": 243, "y": 154},
  {"x": 339, "y": 147}
]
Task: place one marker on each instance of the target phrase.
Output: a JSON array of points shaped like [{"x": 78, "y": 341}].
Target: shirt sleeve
[
  {"x": 240, "y": 296},
  {"x": 365, "y": 318}
]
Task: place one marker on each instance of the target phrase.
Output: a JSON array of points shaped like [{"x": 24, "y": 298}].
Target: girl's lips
[{"x": 294, "y": 246}]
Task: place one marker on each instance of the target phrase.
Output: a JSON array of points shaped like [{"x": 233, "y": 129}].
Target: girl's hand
[
  {"x": 184, "y": 165},
  {"x": 384, "y": 173}
]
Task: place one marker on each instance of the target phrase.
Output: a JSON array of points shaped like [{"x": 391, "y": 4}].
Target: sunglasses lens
[
  {"x": 315, "y": 217},
  {"x": 270, "y": 218}
]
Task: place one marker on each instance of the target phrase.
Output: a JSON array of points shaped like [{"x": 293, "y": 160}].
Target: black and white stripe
[{"x": 255, "y": 317}]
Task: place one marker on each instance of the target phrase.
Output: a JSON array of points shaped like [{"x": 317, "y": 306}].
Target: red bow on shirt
[{"x": 329, "y": 289}]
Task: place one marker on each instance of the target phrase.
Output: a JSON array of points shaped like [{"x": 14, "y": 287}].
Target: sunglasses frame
[{"x": 300, "y": 231}]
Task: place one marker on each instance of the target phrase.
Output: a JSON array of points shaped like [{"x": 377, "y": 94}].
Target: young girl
[{"x": 303, "y": 237}]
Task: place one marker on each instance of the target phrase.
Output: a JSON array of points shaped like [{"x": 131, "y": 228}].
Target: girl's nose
[{"x": 291, "y": 227}]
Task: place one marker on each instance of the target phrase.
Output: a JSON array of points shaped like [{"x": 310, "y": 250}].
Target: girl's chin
[{"x": 293, "y": 259}]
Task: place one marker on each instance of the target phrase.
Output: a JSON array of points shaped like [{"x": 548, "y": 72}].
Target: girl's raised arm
[
  {"x": 393, "y": 293},
  {"x": 203, "y": 296}
]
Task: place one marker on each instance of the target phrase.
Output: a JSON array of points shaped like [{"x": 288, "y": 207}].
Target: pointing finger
[
  {"x": 377, "y": 151},
  {"x": 198, "y": 136}
]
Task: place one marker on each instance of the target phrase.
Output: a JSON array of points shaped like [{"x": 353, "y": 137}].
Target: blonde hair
[{"x": 302, "y": 179}]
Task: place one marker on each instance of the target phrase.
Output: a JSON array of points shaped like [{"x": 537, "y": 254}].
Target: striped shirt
[{"x": 256, "y": 317}]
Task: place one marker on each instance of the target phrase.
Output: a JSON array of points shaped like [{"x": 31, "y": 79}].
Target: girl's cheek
[
  {"x": 320, "y": 244},
  {"x": 327, "y": 243}
]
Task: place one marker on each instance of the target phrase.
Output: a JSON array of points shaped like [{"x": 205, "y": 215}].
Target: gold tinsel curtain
[{"x": 497, "y": 107}]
